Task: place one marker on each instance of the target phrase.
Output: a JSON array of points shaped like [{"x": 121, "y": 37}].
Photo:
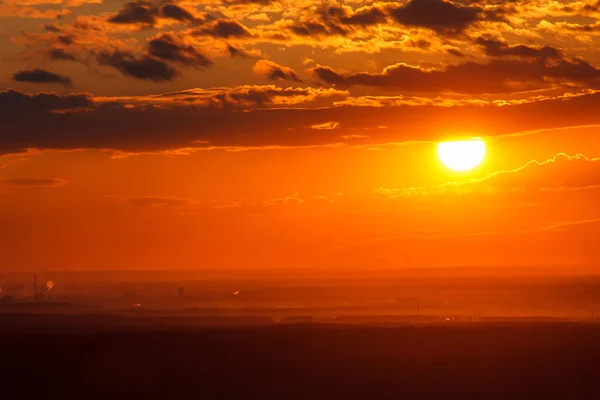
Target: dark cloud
[
  {"x": 455, "y": 52},
  {"x": 365, "y": 16},
  {"x": 176, "y": 12},
  {"x": 498, "y": 76},
  {"x": 38, "y": 75},
  {"x": 497, "y": 48},
  {"x": 236, "y": 52},
  {"x": 238, "y": 118},
  {"x": 260, "y": 2},
  {"x": 438, "y": 15},
  {"x": 15, "y": 105},
  {"x": 59, "y": 54},
  {"x": 138, "y": 12},
  {"x": 87, "y": 25},
  {"x": 338, "y": 20},
  {"x": 52, "y": 28},
  {"x": 245, "y": 97},
  {"x": 315, "y": 28},
  {"x": 32, "y": 182},
  {"x": 224, "y": 29},
  {"x": 325, "y": 22},
  {"x": 579, "y": 27},
  {"x": 328, "y": 75},
  {"x": 275, "y": 71},
  {"x": 443, "y": 17},
  {"x": 65, "y": 39},
  {"x": 242, "y": 97},
  {"x": 170, "y": 121},
  {"x": 169, "y": 47},
  {"x": 144, "y": 67},
  {"x": 143, "y": 12}
]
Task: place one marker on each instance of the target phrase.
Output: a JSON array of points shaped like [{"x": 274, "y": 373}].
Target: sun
[{"x": 461, "y": 155}]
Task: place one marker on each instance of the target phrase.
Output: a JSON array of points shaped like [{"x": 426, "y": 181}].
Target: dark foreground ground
[{"x": 478, "y": 361}]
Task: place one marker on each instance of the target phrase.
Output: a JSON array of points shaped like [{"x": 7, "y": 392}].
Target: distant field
[
  {"x": 486, "y": 292},
  {"x": 524, "y": 360}
]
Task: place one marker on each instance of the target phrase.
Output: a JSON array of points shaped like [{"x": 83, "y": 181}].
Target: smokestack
[{"x": 34, "y": 287}]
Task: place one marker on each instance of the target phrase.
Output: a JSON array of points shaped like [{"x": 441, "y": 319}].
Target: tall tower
[{"x": 34, "y": 287}]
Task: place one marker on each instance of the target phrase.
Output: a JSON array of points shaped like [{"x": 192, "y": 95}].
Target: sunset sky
[{"x": 297, "y": 133}]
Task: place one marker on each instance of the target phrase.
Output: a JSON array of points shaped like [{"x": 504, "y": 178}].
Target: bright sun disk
[{"x": 461, "y": 155}]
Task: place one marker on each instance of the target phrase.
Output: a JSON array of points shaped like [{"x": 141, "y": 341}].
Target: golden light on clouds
[
  {"x": 298, "y": 134},
  {"x": 461, "y": 155}
]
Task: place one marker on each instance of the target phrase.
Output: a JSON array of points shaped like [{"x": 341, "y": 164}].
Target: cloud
[
  {"x": 317, "y": 28},
  {"x": 326, "y": 125},
  {"x": 51, "y": 28},
  {"x": 236, "y": 51},
  {"x": 455, "y": 52},
  {"x": 283, "y": 201},
  {"x": 242, "y": 206},
  {"x": 38, "y": 75},
  {"x": 169, "y": 47},
  {"x": 186, "y": 119},
  {"x": 559, "y": 173},
  {"x": 37, "y": 182},
  {"x": 275, "y": 72},
  {"x": 365, "y": 16},
  {"x": 226, "y": 204},
  {"x": 249, "y": 96},
  {"x": 338, "y": 20},
  {"x": 22, "y": 11},
  {"x": 444, "y": 18},
  {"x": 14, "y": 102},
  {"x": 497, "y": 48},
  {"x": 354, "y": 136},
  {"x": 263, "y": 17},
  {"x": 144, "y": 67},
  {"x": 440, "y": 16},
  {"x": 59, "y": 54},
  {"x": 143, "y": 12},
  {"x": 138, "y": 12},
  {"x": 564, "y": 225},
  {"x": 177, "y": 13},
  {"x": 500, "y": 75},
  {"x": 260, "y": 2},
  {"x": 65, "y": 39},
  {"x": 269, "y": 117},
  {"x": 224, "y": 29},
  {"x": 155, "y": 201}
]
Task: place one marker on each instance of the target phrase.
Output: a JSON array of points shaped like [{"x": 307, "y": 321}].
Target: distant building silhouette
[{"x": 180, "y": 292}]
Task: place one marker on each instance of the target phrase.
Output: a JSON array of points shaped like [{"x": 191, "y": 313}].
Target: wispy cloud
[{"x": 33, "y": 182}]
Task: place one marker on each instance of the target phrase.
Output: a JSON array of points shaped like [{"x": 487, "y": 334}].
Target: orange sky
[{"x": 276, "y": 133}]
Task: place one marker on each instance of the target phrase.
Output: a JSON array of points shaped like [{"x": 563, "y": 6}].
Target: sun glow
[{"x": 461, "y": 155}]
